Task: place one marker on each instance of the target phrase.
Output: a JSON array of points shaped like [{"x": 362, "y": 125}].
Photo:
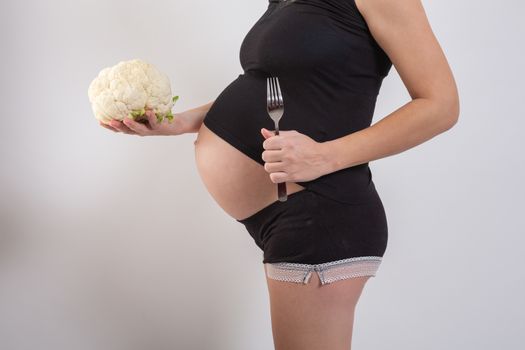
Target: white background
[{"x": 110, "y": 241}]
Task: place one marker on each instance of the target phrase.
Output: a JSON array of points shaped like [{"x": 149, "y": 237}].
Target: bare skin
[
  {"x": 312, "y": 317},
  {"x": 237, "y": 183}
]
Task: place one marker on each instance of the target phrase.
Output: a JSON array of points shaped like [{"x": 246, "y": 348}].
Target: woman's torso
[{"x": 330, "y": 70}]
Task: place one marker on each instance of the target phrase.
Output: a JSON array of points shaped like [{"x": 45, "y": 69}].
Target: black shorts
[{"x": 311, "y": 232}]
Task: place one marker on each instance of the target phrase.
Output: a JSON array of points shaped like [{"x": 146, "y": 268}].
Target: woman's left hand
[{"x": 293, "y": 157}]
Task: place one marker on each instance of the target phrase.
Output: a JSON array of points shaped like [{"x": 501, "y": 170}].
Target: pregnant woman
[{"x": 321, "y": 245}]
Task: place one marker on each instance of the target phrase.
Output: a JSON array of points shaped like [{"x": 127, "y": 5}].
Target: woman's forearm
[
  {"x": 412, "y": 124},
  {"x": 193, "y": 117}
]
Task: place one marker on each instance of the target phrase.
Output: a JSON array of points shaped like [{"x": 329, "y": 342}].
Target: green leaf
[{"x": 175, "y": 98}]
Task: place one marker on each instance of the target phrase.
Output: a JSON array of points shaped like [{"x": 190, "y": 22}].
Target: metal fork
[{"x": 275, "y": 108}]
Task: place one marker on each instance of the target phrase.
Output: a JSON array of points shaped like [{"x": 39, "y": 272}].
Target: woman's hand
[
  {"x": 179, "y": 125},
  {"x": 293, "y": 157}
]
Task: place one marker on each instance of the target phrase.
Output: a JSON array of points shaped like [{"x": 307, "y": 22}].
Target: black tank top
[{"x": 330, "y": 70}]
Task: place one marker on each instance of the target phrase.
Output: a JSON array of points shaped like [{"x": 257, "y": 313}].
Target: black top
[{"x": 330, "y": 71}]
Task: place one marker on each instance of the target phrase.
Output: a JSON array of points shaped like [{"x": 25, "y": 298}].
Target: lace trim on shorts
[{"x": 328, "y": 272}]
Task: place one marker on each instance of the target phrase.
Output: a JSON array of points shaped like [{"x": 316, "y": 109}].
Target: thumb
[
  {"x": 152, "y": 118},
  {"x": 266, "y": 133}
]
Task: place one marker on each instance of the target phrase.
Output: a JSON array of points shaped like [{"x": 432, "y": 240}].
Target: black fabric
[
  {"x": 330, "y": 70},
  {"x": 309, "y": 228}
]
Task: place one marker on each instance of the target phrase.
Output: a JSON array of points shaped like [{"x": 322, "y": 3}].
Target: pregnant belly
[{"x": 239, "y": 185}]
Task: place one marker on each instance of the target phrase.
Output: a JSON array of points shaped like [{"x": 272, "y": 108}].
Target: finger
[
  {"x": 279, "y": 177},
  {"x": 273, "y": 143},
  {"x": 117, "y": 124},
  {"x": 135, "y": 127},
  {"x": 274, "y": 167},
  {"x": 109, "y": 127},
  {"x": 152, "y": 118},
  {"x": 272, "y": 155}
]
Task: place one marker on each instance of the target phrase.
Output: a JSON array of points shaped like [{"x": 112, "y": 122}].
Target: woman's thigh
[{"x": 313, "y": 316}]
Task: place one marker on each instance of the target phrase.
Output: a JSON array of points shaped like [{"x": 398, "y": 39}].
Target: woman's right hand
[{"x": 179, "y": 125}]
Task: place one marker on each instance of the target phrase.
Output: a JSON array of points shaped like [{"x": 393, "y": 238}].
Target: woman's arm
[
  {"x": 402, "y": 29},
  {"x": 193, "y": 117}
]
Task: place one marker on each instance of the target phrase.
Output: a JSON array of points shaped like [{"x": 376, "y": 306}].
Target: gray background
[{"x": 110, "y": 241}]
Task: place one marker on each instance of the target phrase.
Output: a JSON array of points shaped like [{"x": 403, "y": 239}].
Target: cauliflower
[{"x": 128, "y": 89}]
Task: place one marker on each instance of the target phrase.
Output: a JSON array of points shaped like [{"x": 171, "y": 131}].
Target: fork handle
[
  {"x": 281, "y": 186},
  {"x": 281, "y": 191}
]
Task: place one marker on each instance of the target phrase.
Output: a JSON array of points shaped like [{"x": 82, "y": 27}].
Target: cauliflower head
[{"x": 129, "y": 88}]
